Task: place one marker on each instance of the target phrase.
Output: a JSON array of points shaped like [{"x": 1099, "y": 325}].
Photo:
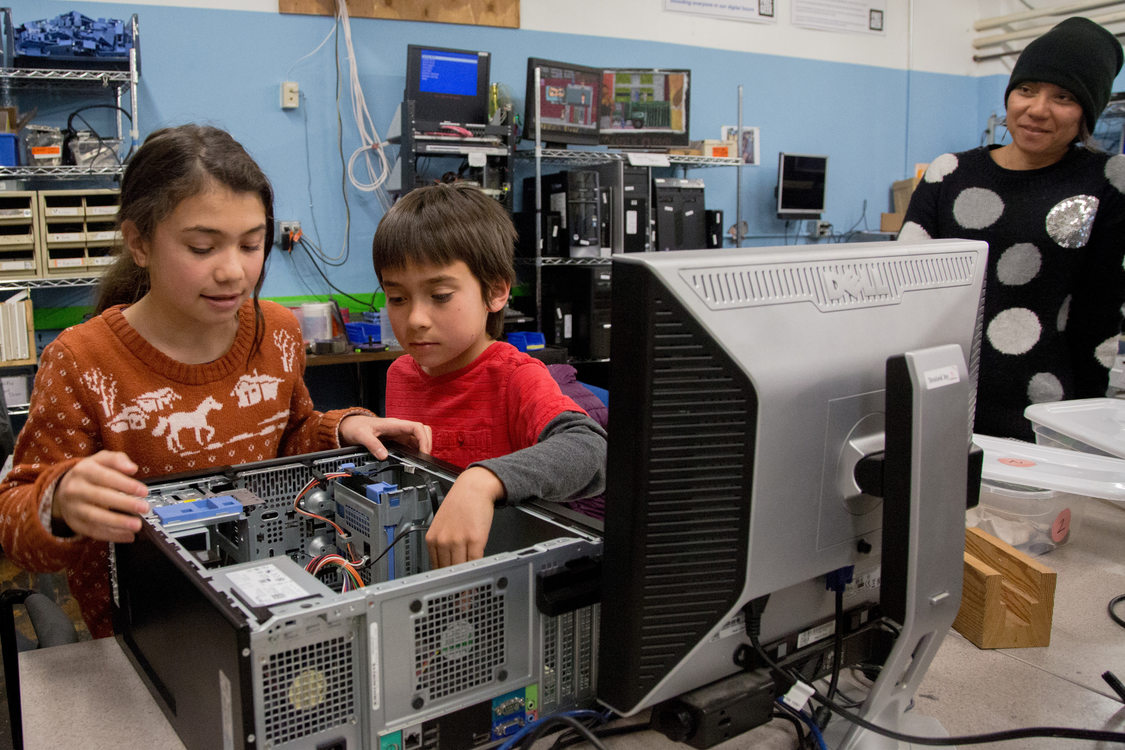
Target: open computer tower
[{"x": 242, "y": 647}]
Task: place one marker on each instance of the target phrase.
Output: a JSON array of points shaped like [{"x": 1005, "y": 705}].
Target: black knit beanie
[{"x": 1078, "y": 55}]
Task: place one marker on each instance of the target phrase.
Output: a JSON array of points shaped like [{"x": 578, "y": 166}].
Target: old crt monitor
[
  {"x": 758, "y": 380},
  {"x": 644, "y": 107},
  {"x": 801, "y": 181},
  {"x": 567, "y": 100},
  {"x": 447, "y": 85}
]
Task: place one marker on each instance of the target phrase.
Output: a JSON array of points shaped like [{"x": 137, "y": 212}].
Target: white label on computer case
[
  {"x": 819, "y": 633},
  {"x": 266, "y": 585},
  {"x": 941, "y": 377}
]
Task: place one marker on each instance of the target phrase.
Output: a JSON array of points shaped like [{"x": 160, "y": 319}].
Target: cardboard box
[
  {"x": 901, "y": 190},
  {"x": 891, "y": 222}
]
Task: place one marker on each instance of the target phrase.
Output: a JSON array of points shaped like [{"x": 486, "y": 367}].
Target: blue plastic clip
[{"x": 194, "y": 510}]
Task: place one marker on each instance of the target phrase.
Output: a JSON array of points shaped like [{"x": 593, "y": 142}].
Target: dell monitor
[
  {"x": 763, "y": 388},
  {"x": 644, "y": 108},
  {"x": 567, "y": 102},
  {"x": 447, "y": 85},
  {"x": 801, "y": 180}
]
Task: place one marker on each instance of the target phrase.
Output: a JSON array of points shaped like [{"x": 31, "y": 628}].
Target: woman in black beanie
[{"x": 1052, "y": 209}]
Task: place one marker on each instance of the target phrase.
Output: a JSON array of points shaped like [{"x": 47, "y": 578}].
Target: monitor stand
[{"x": 925, "y": 479}]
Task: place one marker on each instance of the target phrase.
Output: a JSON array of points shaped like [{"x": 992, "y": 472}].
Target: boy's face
[{"x": 439, "y": 314}]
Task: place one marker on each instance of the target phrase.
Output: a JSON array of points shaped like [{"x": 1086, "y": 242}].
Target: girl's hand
[
  {"x": 360, "y": 429},
  {"x": 99, "y": 499}
]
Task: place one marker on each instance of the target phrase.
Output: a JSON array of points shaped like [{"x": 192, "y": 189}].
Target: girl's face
[{"x": 204, "y": 260}]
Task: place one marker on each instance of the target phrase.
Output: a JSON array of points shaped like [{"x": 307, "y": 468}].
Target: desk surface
[
  {"x": 87, "y": 694},
  {"x": 352, "y": 357}
]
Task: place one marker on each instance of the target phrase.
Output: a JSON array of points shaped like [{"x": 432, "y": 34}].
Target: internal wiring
[
  {"x": 411, "y": 529},
  {"x": 351, "y": 579},
  {"x": 304, "y": 490}
]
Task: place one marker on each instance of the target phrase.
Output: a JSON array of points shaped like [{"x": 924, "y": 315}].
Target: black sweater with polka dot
[{"x": 1055, "y": 281}]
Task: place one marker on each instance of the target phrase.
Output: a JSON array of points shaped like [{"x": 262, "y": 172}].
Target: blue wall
[{"x": 225, "y": 68}]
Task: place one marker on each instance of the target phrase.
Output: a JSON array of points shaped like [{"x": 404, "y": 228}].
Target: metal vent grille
[
  {"x": 696, "y": 490},
  {"x": 308, "y": 689},
  {"x": 857, "y": 283},
  {"x": 459, "y": 641},
  {"x": 566, "y": 656},
  {"x": 277, "y": 486},
  {"x": 584, "y": 678},
  {"x": 273, "y": 532},
  {"x": 354, "y": 519},
  {"x": 549, "y": 690}
]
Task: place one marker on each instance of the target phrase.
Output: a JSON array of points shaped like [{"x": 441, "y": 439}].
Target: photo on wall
[{"x": 748, "y": 144}]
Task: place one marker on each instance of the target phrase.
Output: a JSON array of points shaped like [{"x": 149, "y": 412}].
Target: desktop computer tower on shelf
[
  {"x": 243, "y": 647},
  {"x": 714, "y": 228},
  {"x": 575, "y": 194},
  {"x": 551, "y": 236},
  {"x": 637, "y": 217},
  {"x": 576, "y": 309},
  {"x": 681, "y": 223}
]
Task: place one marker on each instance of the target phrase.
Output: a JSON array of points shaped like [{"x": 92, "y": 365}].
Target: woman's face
[{"x": 1044, "y": 119}]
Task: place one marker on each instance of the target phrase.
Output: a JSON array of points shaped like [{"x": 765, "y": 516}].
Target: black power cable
[
  {"x": 753, "y": 625},
  {"x": 1112, "y": 610}
]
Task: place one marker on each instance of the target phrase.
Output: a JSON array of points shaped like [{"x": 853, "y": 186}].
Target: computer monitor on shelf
[
  {"x": 645, "y": 107},
  {"x": 567, "y": 102},
  {"x": 801, "y": 183},
  {"x": 447, "y": 85},
  {"x": 764, "y": 387}
]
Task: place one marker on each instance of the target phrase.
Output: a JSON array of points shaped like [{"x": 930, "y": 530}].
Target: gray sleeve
[{"x": 567, "y": 463}]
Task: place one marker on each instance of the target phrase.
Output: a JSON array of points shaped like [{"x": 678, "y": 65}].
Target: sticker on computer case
[
  {"x": 939, "y": 377},
  {"x": 266, "y": 585}
]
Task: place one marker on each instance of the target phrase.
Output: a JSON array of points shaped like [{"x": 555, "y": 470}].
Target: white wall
[{"x": 939, "y": 33}]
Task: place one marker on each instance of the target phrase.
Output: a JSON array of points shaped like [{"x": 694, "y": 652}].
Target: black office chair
[{"x": 52, "y": 628}]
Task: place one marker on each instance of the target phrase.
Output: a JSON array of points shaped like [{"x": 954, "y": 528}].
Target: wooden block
[{"x": 1007, "y": 598}]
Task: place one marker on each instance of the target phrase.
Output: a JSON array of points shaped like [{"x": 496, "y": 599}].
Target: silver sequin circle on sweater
[{"x": 1070, "y": 222}]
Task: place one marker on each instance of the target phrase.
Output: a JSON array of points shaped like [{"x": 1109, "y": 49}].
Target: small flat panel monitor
[
  {"x": 801, "y": 181},
  {"x": 447, "y": 85},
  {"x": 645, "y": 108},
  {"x": 756, "y": 379},
  {"x": 568, "y": 102}
]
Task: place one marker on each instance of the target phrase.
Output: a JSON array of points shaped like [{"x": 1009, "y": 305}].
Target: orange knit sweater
[{"x": 101, "y": 386}]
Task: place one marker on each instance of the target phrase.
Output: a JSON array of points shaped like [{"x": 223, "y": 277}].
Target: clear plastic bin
[
  {"x": 1032, "y": 520},
  {"x": 1090, "y": 425}
]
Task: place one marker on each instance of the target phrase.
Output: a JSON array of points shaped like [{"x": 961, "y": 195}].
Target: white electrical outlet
[{"x": 290, "y": 95}]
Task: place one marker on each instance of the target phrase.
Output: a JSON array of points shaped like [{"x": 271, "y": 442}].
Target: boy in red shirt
[{"x": 443, "y": 255}]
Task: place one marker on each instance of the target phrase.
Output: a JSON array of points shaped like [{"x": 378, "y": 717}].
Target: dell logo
[{"x": 856, "y": 282}]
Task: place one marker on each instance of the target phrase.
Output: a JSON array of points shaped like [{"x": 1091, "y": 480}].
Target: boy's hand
[
  {"x": 462, "y": 522},
  {"x": 98, "y": 498},
  {"x": 360, "y": 429}
]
